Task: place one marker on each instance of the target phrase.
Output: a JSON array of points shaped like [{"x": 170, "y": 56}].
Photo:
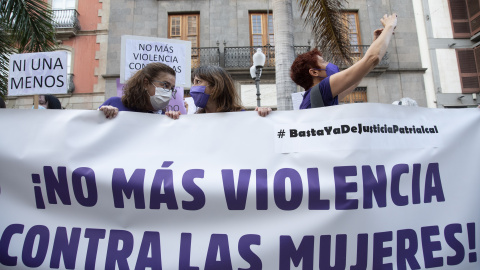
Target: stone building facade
[
  {"x": 432, "y": 58},
  {"x": 449, "y": 36},
  {"x": 228, "y": 28},
  {"x": 82, "y": 31}
]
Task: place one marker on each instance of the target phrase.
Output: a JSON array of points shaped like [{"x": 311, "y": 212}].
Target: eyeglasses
[{"x": 167, "y": 86}]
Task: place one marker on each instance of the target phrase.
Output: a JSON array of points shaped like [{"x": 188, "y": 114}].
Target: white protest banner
[
  {"x": 143, "y": 191},
  {"x": 37, "y": 73},
  {"x": 138, "y": 51}
]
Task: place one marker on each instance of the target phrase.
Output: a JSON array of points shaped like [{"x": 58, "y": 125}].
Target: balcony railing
[
  {"x": 301, "y": 49},
  {"x": 241, "y": 57},
  {"x": 66, "y": 21},
  {"x": 205, "y": 56}
]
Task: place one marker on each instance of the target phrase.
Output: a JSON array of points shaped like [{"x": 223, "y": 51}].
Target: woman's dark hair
[
  {"x": 224, "y": 93},
  {"x": 53, "y": 102},
  {"x": 134, "y": 95},
  {"x": 299, "y": 71},
  {"x": 2, "y": 104}
]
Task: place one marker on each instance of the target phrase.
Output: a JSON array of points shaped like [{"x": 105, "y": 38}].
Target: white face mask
[{"x": 161, "y": 98}]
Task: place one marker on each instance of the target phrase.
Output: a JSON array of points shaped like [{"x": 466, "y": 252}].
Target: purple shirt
[
  {"x": 325, "y": 90},
  {"x": 117, "y": 103}
]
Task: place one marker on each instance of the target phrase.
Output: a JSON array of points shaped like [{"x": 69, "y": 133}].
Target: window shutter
[
  {"x": 468, "y": 69},
  {"x": 460, "y": 21},
  {"x": 474, "y": 15},
  {"x": 476, "y": 51},
  {"x": 359, "y": 95}
]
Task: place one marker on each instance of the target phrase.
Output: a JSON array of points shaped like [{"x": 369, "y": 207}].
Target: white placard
[
  {"x": 191, "y": 105},
  {"x": 297, "y": 99},
  {"x": 138, "y": 51},
  {"x": 37, "y": 73}
]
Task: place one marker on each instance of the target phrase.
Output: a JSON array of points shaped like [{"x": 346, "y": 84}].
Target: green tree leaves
[
  {"x": 329, "y": 27},
  {"x": 25, "y": 26}
]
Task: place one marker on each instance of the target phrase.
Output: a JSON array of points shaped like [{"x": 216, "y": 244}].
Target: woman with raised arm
[
  {"x": 147, "y": 91},
  {"x": 323, "y": 84}
]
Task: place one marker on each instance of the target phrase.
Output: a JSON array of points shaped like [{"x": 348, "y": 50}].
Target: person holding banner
[
  {"x": 2, "y": 104},
  {"x": 148, "y": 91},
  {"x": 323, "y": 86},
  {"x": 213, "y": 90},
  {"x": 50, "y": 102}
]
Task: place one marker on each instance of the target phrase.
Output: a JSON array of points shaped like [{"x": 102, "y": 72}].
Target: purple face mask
[
  {"x": 199, "y": 97},
  {"x": 330, "y": 69}
]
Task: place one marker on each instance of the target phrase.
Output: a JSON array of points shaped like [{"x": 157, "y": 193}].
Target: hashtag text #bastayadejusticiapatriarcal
[{"x": 359, "y": 129}]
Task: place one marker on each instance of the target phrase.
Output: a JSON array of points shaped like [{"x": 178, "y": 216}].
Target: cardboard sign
[
  {"x": 37, "y": 73},
  {"x": 297, "y": 99},
  {"x": 138, "y": 51}
]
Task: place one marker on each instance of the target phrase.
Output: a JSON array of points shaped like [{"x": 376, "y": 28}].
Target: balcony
[
  {"x": 205, "y": 56},
  {"x": 236, "y": 58},
  {"x": 66, "y": 23},
  {"x": 241, "y": 57}
]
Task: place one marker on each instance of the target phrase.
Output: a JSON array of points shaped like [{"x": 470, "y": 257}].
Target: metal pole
[{"x": 258, "y": 73}]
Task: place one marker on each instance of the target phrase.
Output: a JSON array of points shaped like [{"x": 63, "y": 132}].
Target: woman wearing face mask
[
  {"x": 320, "y": 71},
  {"x": 213, "y": 91},
  {"x": 148, "y": 91},
  {"x": 324, "y": 83}
]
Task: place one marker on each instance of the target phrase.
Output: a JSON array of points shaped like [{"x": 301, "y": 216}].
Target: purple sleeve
[
  {"x": 115, "y": 102},
  {"x": 107, "y": 102},
  {"x": 326, "y": 92}
]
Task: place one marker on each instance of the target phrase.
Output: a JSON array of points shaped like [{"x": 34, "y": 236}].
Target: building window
[
  {"x": 467, "y": 67},
  {"x": 351, "y": 19},
  {"x": 69, "y": 61},
  {"x": 70, "y": 85},
  {"x": 460, "y": 18},
  {"x": 185, "y": 27},
  {"x": 261, "y": 29},
  {"x": 63, "y": 4},
  {"x": 473, "y": 7},
  {"x": 65, "y": 15},
  {"x": 359, "y": 95},
  {"x": 261, "y": 34}
]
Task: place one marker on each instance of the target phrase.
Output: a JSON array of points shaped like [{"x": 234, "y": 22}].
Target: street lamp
[{"x": 256, "y": 71}]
